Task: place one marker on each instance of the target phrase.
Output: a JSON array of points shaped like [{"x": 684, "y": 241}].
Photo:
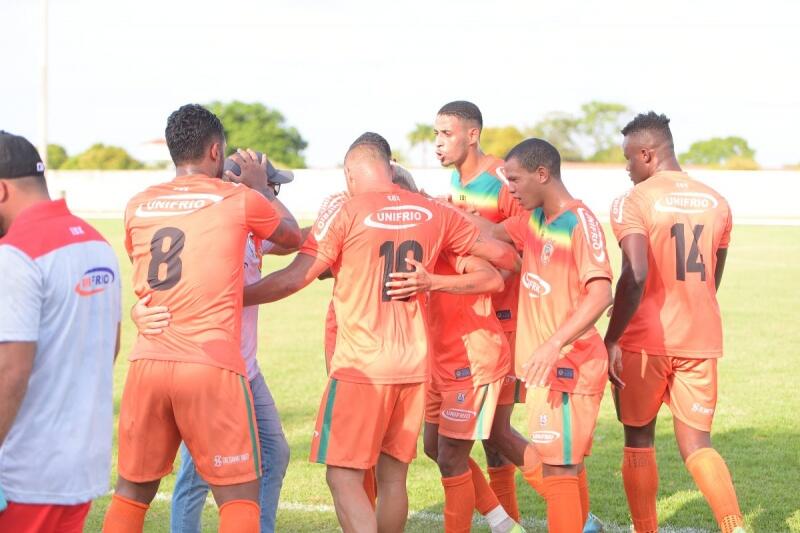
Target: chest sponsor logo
[
  {"x": 171, "y": 205},
  {"x": 547, "y": 251},
  {"x": 544, "y": 437},
  {"x": 537, "y": 287},
  {"x": 95, "y": 281},
  {"x": 398, "y": 217},
  {"x": 565, "y": 373},
  {"x": 686, "y": 202},
  {"x": 594, "y": 235},
  {"x": 455, "y": 414}
]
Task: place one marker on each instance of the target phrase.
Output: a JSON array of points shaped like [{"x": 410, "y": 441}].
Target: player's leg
[
  {"x": 148, "y": 441},
  {"x": 502, "y": 471},
  {"x": 274, "y": 451},
  {"x": 353, "y": 508},
  {"x": 646, "y": 386},
  {"x": 188, "y": 497},
  {"x": 459, "y": 490},
  {"x": 692, "y": 400},
  {"x": 392, "y": 509}
]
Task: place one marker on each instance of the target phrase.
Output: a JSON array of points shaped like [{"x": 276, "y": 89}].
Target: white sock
[{"x": 496, "y": 517}]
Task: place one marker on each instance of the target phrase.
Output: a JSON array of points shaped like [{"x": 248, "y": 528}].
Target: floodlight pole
[{"x": 43, "y": 88}]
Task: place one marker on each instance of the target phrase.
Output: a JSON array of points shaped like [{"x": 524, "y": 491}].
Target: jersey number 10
[{"x": 397, "y": 260}]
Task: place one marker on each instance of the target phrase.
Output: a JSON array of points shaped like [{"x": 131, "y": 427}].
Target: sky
[{"x": 335, "y": 69}]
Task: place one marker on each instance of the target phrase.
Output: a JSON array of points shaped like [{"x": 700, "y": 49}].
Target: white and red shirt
[{"x": 60, "y": 288}]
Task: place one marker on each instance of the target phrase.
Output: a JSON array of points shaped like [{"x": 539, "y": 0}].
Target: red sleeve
[
  {"x": 507, "y": 205},
  {"x": 326, "y": 238},
  {"x": 459, "y": 233},
  {"x": 128, "y": 240},
  {"x": 589, "y": 248},
  {"x": 726, "y": 234},
  {"x": 260, "y": 217},
  {"x": 517, "y": 229},
  {"x": 627, "y": 217}
]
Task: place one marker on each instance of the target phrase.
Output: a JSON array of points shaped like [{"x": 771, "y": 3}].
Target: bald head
[{"x": 366, "y": 167}]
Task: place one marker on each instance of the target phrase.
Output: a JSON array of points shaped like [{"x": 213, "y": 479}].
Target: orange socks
[
  {"x": 485, "y": 498},
  {"x": 239, "y": 516},
  {"x": 371, "y": 486},
  {"x": 583, "y": 488},
  {"x": 640, "y": 477},
  {"x": 563, "y": 504},
  {"x": 502, "y": 483},
  {"x": 124, "y": 516},
  {"x": 532, "y": 470},
  {"x": 459, "y": 501},
  {"x": 711, "y": 475}
]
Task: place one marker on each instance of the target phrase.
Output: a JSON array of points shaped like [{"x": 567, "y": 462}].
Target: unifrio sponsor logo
[
  {"x": 536, "y": 286},
  {"x": 544, "y": 437},
  {"x": 94, "y": 281},
  {"x": 593, "y": 233},
  {"x": 171, "y": 205},
  {"x": 686, "y": 202},
  {"x": 398, "y": 217},
  {"x": 458, "y": 415}
]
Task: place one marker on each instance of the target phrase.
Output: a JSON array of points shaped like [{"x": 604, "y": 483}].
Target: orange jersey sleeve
[
  {"x": 261, "y": 218},
  {"x": 589, "y": 249},
  {"x": 517, "y": 229},
  {"x": 685, "y": 223}
]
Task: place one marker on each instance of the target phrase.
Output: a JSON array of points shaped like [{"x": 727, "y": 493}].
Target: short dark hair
[
  {"x": 463, "y": 110},
  {"x": 190, "y": 130},
  {"x": 649, "y": 122},
  {"x": 373, "y": 138},
  {"x": 535, "y": 153}
]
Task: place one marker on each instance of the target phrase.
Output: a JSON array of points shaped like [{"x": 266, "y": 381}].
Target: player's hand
[
  {"x": 471, "y": 209},
  {"x": 538, "y": 368},
  {"x": 149, "y": 320},
  {"x": 615, "y": 364},
  {"x": 405, "y": 284},
  {"x": 253, "y": 173}
]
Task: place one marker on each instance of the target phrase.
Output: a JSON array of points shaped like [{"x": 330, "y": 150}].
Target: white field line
[{"x": 533, "y": 524}]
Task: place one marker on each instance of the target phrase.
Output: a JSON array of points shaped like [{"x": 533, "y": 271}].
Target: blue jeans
[{"x": 191, "y": 491}]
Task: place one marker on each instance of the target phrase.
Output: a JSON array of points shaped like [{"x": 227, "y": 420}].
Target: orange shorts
[
  {"x": 357, "y": 422},
  {"x": 561, "y": 425},
  {"x": 465, "y": 414},
  {"x": 687, "y": 386},
  {"x": 513, "y": 389},
  {"x": 38, "y": 518},
  {"x": 209, "y": 408}
]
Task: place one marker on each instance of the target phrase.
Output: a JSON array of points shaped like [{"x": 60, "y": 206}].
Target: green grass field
[{"x": 756, "y": 426}]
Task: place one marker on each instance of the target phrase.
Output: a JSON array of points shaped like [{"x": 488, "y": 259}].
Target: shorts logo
[
  {"x": 462, "y": 373},
  {"x": 544, "y": 437},
  {"x": 503, "y": 314},
  {"x": 547, "y": 251},
  {"x": 223, "y": 460},
  {"x": 543, "y": 420},
  {"x": 686, "y": 202},
  {"x": 398, "y": 217},
  {"x": 594, "y": 235},
  {"x": 536, "y": 286},
  {"x": 95, "y": 281},
  {"x": 171, "y": 205},
  {"x": 565, "y": 373},
  {"x": 458, "y": 415},
  {"x": 697, "y": 408},
  {"x": 460, "y": 397}
]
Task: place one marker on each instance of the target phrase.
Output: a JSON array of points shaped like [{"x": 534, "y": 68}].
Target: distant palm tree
[{"x": 422, "y": 134}]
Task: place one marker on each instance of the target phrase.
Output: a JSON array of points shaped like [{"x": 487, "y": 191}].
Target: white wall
[{"x": 756, "y": 197}]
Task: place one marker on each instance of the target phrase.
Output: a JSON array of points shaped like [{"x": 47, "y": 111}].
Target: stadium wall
[{"x": 756, "y": 197}]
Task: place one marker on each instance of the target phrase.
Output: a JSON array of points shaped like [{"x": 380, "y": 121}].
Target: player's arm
[
  {"x": 722, "y": 255},
  {"x": 630, "y": 287},
  {"x": 278, "y": 285},
  {"x": 118, "y": 341},
  {"x": 500, "y": 254},
  {"x": 478, "y": 277},
  {"x": 275, "y": 249},
  {"x": 16, "y": 363},
  {"x": 597, "y": 299}
]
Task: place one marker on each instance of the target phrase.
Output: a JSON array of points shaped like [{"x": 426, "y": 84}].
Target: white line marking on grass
[{"x": 535, "y": 524}]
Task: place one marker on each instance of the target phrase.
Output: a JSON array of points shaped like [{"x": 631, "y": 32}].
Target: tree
[
  {"x": 500, "y": 141},
  {"x": 263, "y": 129},
  {"x": 56, "y": 156},
  {"x": 102, "y": 157},
  {"x": 723, "y": 152},
  {"x": 600, "y": 124},
  {"x": 560, "y": 130},
  {"x": 421, "y": 135}
]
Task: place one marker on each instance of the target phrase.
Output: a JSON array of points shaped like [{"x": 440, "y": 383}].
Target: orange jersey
[
  {"x": 364, "y": 239},
  {"x": 467, "y": 341},
  {"x": 685, "y": 223},
  {"x": 487, "y": 193},
  {"x": 186, "y": 239},
  {"x": 560, "y": 257}
]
